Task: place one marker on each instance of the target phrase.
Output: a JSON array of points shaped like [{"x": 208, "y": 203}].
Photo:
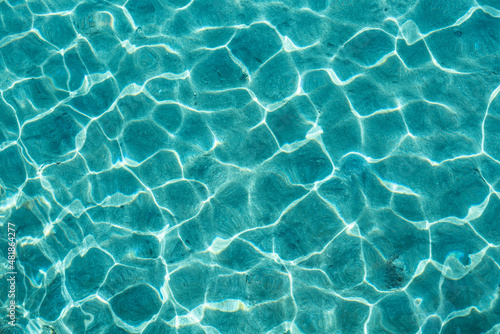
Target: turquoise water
[{"x": 237, "y": 166}]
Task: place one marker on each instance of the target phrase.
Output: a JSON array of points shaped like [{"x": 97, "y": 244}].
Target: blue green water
[{"x": 251, "y": 166}]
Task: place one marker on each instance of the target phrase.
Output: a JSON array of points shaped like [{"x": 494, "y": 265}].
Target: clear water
[{"x": 224, "y": 166}]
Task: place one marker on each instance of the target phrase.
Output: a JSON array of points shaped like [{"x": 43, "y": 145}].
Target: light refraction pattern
[{"x": 238, "y": 166}]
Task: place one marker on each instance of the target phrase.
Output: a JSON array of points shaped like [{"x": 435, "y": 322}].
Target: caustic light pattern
[{"x": 220, "y": 166}]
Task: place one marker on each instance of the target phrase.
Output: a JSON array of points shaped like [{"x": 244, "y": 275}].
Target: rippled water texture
[{"x": 251, "y": 166}]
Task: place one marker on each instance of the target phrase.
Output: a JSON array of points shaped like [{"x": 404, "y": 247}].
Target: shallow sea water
[{"x": 238, "y": 166}]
